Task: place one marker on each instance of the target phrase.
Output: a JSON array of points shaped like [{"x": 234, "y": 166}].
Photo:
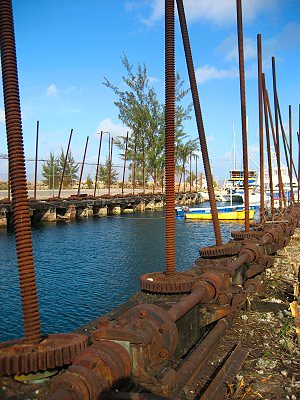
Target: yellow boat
[{"x": 224, "y": 213}]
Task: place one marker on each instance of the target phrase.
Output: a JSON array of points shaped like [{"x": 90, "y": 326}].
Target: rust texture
[
  {"x": 243, "y": 110},
  {"x": 17, "y": 172},
  {"x": 292, "y": 200},
  {"x": 170, "y": 134},
  {"x": 98, "y": 162},
  {"x": 36, "y": 158},
  {"x": 281, "y": 194},
  {"x": 268, "y": 146},
  {"x": 199, "y": 120},
  {"x": 219, "y": 386},
  {"x": 82, "y": 165},
  {"x": 261, "y": 130},
  {"x": 124, "y": 166},
  {"x": 65, "y": 164},
  {"x": 54, "y": 351},
  {"x": 159, "y": 282}
]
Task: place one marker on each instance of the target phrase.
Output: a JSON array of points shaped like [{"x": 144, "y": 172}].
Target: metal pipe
[
  {"x": 170, "y": 134},
  {"x": 261, "y": 131},
  {"x": 134, "y": 166},
  {"x": 190, "y": 172},
  {"x": 20, "y": 201},
  {"x": 194, "y": 362},
  {"x": 98, "y": 162},
  {"x": 124, "y": 166},
  {"x": 243, "y": 111},
  {"x": 110, "y": 164},
  {"x": 199, "y": 120},
  {"x": 36, "y": 158},
  {"x": 274, "y": 138},
  {"x": 291, "y": 156},
  {"x": 281, "y": 194},
  {"x": 144, "y": 182},
  {"x": 201, "y": 293},
  {"x": 82, "y": 165},
  {"x": 65, "y": 164},
  {"x": 268, "y": 145}
]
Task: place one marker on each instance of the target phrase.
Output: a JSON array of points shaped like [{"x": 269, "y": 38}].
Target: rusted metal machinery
[{"x": 33, "y": 353}]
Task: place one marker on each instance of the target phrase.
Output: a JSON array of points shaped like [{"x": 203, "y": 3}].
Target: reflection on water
[{"x": 85, "y": 268}]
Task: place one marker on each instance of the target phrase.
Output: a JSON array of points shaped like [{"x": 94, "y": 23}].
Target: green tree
[
  {"x": 53, "y": 167},
  {"x": 104, "y": 173},
  {"x": 89, "y": 182},
  {"x": 51, "y": 172},
  {"x": 140, "y": 110},
  {"x": 71, "y": 169}
]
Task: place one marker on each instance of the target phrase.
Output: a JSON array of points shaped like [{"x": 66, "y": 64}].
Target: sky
[{"x": 65, "y": 49}]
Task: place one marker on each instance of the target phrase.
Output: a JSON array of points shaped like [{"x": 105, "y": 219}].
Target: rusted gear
[
  {"x": 252, "y": 249},
  {"x": 20, "y": 357},
  {"x": 159, "y": 282},
  {"x": 95, "y": 370},
  {"x": 227, "y": 249},
  {"x": 241, "y": 235}
]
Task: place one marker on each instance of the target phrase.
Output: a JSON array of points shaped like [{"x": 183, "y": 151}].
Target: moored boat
[{"x": 230, "y": 213}]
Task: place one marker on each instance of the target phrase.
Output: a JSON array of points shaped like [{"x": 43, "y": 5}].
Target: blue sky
[{"x": 65, "y": 48}]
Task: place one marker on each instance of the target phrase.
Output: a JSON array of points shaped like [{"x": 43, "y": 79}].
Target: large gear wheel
[
  {"x": 224, "y": 250},
  {"x": 21, "y": 357},
  {"x": 241, "y": 235},
  {"x": 159, "y": 282}
]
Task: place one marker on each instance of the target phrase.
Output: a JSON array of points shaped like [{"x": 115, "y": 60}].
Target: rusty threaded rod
[
  {"x": 292, "y": 200},
  {"x": 65, "y": 164},
  {"x": 17, "y": 172},
  {"x": 124, "y": 166},
  {"x": 199, "y": 120},
  {"x": 170, "y": 134},
  {"x": 98, "y": 162},
  {"x": 243, "y": 110},
  {"x": 268, "y": 144},
  {"x": 36, "y": 157},
  {"x": 281, "y": 194},
  {"x": 261, "y": 131},
  {"x": 82, "y": 165}
]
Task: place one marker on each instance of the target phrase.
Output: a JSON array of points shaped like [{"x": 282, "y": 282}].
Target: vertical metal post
[
  {"x": 53, "y": 175},
  {"x": 196, "y": 157},
  {"x": 65, "y": 164},
  {"x": 261, "y": 131},
  {"x": 170, "y": 134},
  {"x": 110, "y": 164},
  {"x": 144, "y": 183},
  {"x": 36, "y": 158},
  {"x": 243, "y": 110},
  {"x": 98, "y": 162},
  {"x": 291, "y": 156},
  {"x": 82, "y": 166},
  {"x": 281, "y": 194},
  {"x": 268, "y": 144},
  {"x": 124, "y": 166},
  {"x": 20, "y": 202},
  {"x": 134, "y": 166},
  {"x": 191, "y": 172},
  {"x": 199, "y": 120}
]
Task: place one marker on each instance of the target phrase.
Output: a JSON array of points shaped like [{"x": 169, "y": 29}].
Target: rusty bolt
[
  {"x": 139, "y": 324},
  {"x": 143, "y": 314},
  {"x": 163, "y": 353},
  {"x": 163, "y": 329},
  {"x": 117, "y": 325},
  {"x": 103, "y": 322}
]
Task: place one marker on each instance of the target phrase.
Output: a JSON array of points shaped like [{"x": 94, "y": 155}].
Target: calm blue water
[{"x": 86, "y": 268}]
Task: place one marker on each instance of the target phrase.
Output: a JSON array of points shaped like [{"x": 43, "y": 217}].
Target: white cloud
[
  {"x": 152, "y": 79},
  {"x": 208, "y": 73},
  {"x": 2, "y": 116},
  {"x": 107, "y": 125},
  {"x": 220, "y": 12},
  {"x": 229, "y": 49},
  {"x": 51, "y": 90}
]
